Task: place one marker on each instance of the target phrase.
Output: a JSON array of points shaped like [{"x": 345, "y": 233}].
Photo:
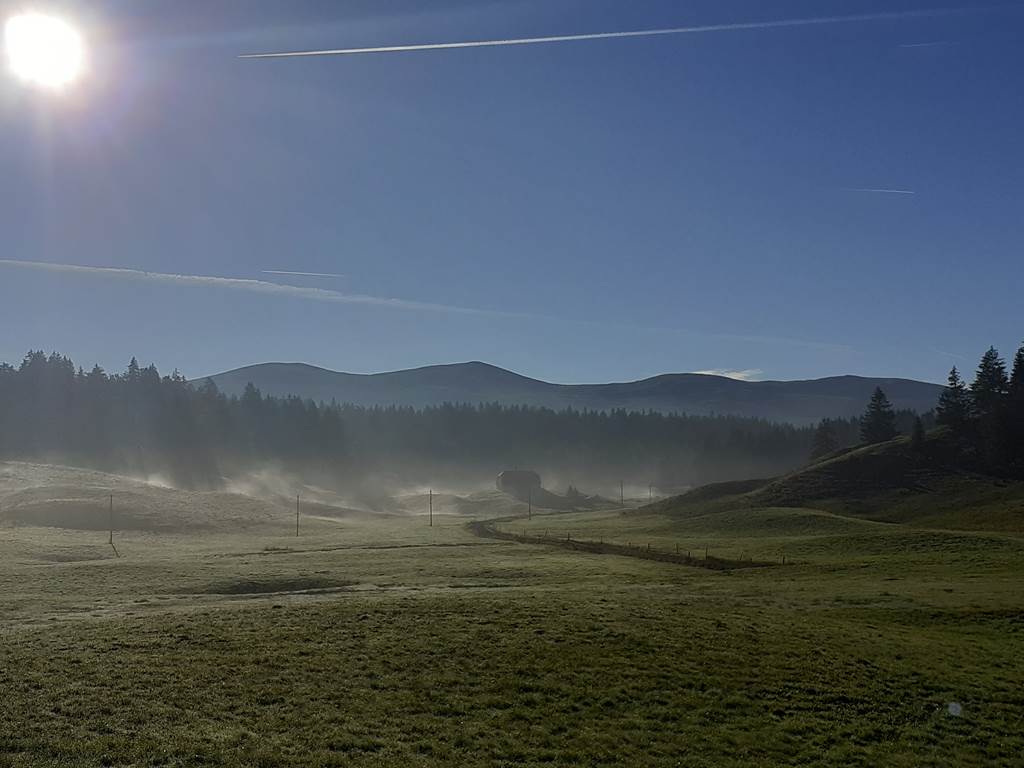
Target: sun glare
[{"x": 43, "y": 50}]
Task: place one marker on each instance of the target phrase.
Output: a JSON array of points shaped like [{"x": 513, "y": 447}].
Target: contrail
[
  {"x": 806, "y": 22},
  {"x": 936, "y": 44},
  {"x": 299, "y": 274},
  {"x": 870, "y": 190}
]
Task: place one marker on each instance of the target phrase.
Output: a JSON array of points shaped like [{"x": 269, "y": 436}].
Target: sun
[{"x": 43, "y": 50}]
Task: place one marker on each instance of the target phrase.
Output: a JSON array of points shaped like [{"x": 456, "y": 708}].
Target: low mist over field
[
  {"x": 265, "y": 503},
  {"x": 194, "y": 436}
]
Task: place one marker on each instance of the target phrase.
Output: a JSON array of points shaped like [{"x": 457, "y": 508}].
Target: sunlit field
[
  {"x": 511, "y": 384},
  {"x": 380, "y": 640}
]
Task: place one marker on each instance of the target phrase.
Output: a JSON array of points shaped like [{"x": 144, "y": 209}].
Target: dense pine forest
[
  {"x": 146, "y": 424},
  {"x": 142, "y": 423}
]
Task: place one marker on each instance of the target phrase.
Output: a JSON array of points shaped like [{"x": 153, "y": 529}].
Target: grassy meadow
[{"x": 375, "y": 640}]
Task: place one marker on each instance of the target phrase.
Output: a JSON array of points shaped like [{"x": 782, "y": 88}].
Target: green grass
[
  {"x": 485, "y": 680},
  {"x": 892, "y": 482},
  {"x": 382, "y": 642}
]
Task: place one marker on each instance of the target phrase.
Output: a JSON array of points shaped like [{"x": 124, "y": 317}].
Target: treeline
[
  {"x": 590, "y": 449},
  {"x": 879, "y": 423},
  {"x": 985, "y": 420},
  {"x": 142, "y": 423}
]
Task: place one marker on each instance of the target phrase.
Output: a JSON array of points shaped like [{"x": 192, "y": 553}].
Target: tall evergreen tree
[
  {"x": 917, "y": 436},
  {"x": 1016, "y": 386},
  {"x": 1017, "y": 376},
  {"x": 1015, "y": 413},
  {"x": 990, "y": 391},
  {"x": 955, "y": 407},
  {"x": 878, "y": 424},
  {"x": 825, "y": 440},
  {"x": 991, "y": 385}
]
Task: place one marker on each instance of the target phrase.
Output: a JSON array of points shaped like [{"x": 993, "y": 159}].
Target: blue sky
[{"x": 585, "y": 211}]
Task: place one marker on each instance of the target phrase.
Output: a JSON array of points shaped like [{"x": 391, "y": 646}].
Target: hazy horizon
[
  {"x": 744, "y": 376},
  {"x": 748, "y": 376}
]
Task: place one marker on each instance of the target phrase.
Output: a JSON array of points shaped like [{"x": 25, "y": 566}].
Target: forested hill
[
  {"x": 143, "y": 423},
  {"x": 796, "y": 402}
]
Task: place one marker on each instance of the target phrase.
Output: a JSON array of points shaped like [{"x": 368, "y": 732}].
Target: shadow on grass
[{"x": 272, "y": 586}]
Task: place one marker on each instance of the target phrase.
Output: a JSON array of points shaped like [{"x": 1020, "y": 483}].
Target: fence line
[{"x": 489, "y": 529}]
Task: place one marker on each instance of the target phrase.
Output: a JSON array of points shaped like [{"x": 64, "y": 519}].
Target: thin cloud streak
[
  {"x": 951, "y": 355},
  {"x": 754, "y": 25},
  {"x": 749, "y": 375},
  {"x": 935, "y": 44},
  {"x": 879, "y": 191},
  {"x": 250, "y": 286},
  {"x": 299, "y": 274},
  {"x": 337, "y": 297}
]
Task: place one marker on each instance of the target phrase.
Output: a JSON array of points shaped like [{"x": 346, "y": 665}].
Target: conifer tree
[
  {"x": 878, "y": 424},
  {"x": 917, "y": 436},
  {"x": 1016, "y": 386},
  {"x": 1015, "y": 408},
  {"x": 990, "y": 392},
  {"x": 991, "y": 385},
  {"x": 955, "y": 407},
  {"x": 1017, "y": 377},
  {"x": 825, "y": 440}
]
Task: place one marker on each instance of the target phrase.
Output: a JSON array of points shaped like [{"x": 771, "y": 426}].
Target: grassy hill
[{"x": 891, "y": 483}]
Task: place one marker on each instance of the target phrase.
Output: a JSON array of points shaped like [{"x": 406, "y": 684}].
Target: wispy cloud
[
  {"x": 752, "y": 25},
  {"x": 299, "y": 274},
  {"x": 751, "y": 374},
  {"x": 270, "y": 289},
  {"x": 878, "y": 191},
  {"x": 249, "y": 286}
]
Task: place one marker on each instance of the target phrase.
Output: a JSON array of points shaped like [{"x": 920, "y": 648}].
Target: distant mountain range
[{"x": 799, "y": 402}]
